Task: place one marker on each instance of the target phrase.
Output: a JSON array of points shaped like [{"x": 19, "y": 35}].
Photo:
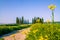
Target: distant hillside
[{"x": 54, "y": 22}]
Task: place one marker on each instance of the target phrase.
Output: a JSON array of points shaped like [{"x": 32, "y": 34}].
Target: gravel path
[{"x": 20, "y": 35}]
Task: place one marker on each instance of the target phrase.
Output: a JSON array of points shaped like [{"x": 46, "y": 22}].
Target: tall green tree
[
  {"x": 22, "y": 19},
  {"x": 17, "y": 20},
  {"x": 42, "y": 20},
  {"x": 34, "y": 20}
]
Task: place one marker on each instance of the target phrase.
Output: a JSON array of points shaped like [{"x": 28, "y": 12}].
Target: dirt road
[{"x": 20, "y": 35}]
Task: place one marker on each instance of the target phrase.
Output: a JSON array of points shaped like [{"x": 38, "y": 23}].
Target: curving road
[{"x": 20, "y": 35}]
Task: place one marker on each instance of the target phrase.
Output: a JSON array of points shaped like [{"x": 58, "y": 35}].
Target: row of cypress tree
[
  {"x": 37, "y": 20},
  {"x": 34, "y": 20},
  {"x": 19, "y": 20}
]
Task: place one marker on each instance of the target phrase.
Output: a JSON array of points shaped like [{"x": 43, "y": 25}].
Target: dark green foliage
[
  {"x": 9, "y": 25},
  {"x": 42, "y": 20},
  {"x": 17, "y": 20},
  {"x": 22, "y": 20}
]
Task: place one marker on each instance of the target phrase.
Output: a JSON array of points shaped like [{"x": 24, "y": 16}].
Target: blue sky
[{"x": 10, "y": 9}]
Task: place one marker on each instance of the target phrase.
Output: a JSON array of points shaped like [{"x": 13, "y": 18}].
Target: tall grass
[{"x": 44, "y": 32}]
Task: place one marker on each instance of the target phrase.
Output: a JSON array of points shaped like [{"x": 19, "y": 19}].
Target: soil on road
[{"x": 20, "y": 35}]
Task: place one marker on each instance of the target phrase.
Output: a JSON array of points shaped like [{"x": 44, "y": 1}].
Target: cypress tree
[
  {"x": 17, "y": 20},
  {"x": 22, "y": 19},
  {"x": 42, "y": 20}
]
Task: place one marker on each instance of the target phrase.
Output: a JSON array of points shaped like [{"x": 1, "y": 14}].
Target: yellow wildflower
[
  {"x": 34, "y": 31},
  {"x": 41, "y": 38},
  {"x": 59, "y": 30},
  {"x": 46, "y": 37}
]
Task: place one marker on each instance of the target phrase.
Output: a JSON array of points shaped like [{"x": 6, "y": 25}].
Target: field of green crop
[
  {"x": 4, "y": 29},
  {"x": 44, "y": 32}
]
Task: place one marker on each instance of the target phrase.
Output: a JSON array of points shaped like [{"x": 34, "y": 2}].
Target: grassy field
[
  {"x": 44, "y": 32},
  {"x": 4, "y": 29},
  {"x": 38, "y": 31}
]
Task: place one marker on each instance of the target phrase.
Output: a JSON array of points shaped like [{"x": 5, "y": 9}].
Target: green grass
[
  {"x": 44, "y": 32},
  {"x": 4, "y": 29},
  {"x": 1, "y": 39}
]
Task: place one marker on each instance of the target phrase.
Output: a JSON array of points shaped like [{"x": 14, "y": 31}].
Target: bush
[{"x": 44, "y": 32}]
